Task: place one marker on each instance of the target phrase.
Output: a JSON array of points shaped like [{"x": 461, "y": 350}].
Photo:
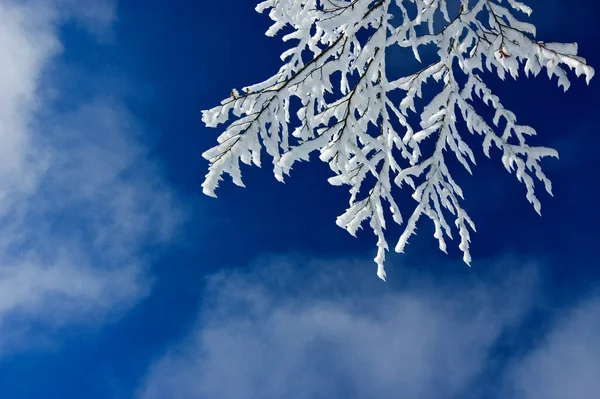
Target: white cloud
[
  {"x": 279, "y": 333},
  {"x": 79, "y": 196},
  {"x": 566, "y": 364}
]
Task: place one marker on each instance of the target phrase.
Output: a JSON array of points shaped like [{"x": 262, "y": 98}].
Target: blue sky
[{"x": 119, "y": 279}]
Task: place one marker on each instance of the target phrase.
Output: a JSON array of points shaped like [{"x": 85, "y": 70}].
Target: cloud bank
[
  {"x": 264, "y": 335},
  {"x": 80, "y": 198},
  {"x": 289, "y": 328}
]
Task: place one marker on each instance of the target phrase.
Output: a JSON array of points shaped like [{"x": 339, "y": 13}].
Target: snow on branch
[{"x": 334, "y": 78}]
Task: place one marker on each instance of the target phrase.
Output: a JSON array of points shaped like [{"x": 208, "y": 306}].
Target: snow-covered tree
[{"x": 334, "y": 95}]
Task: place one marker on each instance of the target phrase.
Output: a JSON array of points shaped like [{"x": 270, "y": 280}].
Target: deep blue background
[{"x": 188, "y": 55}]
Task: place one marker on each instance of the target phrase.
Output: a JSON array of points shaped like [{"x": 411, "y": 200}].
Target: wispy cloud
[
  {"x": 80, "y": 198},
  {"x": 566, "y": 363},
  {"x": 285, "y": 331}
]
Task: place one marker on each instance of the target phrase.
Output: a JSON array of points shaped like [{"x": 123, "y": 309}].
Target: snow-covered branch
[{"x": 334, "y": 78}]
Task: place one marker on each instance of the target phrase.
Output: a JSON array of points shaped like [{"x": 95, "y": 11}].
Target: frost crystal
[{"x": 334, "y": 78}]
